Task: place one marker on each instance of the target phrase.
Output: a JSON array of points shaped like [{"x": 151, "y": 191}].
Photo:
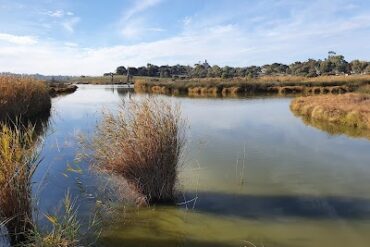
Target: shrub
[{"x": 143, "y": 144}]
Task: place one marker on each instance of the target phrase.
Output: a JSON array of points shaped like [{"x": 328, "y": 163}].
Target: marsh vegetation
[
  {"x": 143, "y": 144},
  {"x": 351, "y": 110},
  {"x": 140, "y": 144},
  {"x": 24, "y": 98}
]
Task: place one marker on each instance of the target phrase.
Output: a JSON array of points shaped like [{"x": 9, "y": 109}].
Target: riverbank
[
  {"x": 56, "y": 89},
  {"x": 265, "y": 84},
  {"x": 101, "y": 80},
  {"x": 351, "y": 110}
]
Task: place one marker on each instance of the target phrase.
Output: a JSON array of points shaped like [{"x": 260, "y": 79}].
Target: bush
[{"x": 143, "y": 144}]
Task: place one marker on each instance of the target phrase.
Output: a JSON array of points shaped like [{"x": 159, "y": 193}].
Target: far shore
[{"x": 265, "y": 84}]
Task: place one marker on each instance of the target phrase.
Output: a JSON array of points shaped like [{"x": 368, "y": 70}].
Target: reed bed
[
  {"x": 351, "y": 110},
  {"x": 23, "y": 97},
  {"x": 142, "y": 144},
  {"x": 267, "y": 84},
  {"x": 18, "y": 161}
]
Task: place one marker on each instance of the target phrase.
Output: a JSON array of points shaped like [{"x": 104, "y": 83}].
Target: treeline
[
  {"x": 38, "y": 76},
  {"x": 332, "y": 65}
]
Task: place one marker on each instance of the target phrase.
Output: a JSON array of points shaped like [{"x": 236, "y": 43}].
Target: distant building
[{"x": 206, "y": 64}]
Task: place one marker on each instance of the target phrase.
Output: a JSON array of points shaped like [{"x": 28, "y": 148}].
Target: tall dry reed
[
  {"x": 18, "y": 161},
  {"x": 143, "y": 144},
  {"x": 23, "y": 97}
]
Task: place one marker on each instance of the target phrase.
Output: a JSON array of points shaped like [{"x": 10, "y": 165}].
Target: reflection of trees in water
[
  {"x": 334, "y": 129},
  {"x": 121, "y": 91},
  {"x": 124, "y": 91}
]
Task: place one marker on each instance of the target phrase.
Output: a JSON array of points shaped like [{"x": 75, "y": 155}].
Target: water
[{"x": 253, "y": 172}]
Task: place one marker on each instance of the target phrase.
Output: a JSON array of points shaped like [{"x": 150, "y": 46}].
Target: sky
[{"x": 91, "y": 37}]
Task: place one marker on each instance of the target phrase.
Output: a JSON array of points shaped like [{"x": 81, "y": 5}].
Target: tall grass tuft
[
  {"x": 18, "y": 161},
  {"x": 23, "y": 96},
  {"x": 143, "y": 143},
  {"x": 65, "y": 229}
]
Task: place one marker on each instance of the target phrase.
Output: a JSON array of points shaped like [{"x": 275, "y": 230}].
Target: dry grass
[
  {"x": 18, "y": 161},
  {"x": 143, "y": 144},
  {"x": 23, "y": 97},
  {"x": 365, "y": 89},
  {"x": 352, "y": 110},
  {"x": 272, "y": 84}
]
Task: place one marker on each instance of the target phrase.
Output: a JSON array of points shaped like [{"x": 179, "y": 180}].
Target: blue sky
[{"x": 92, "y": 37}]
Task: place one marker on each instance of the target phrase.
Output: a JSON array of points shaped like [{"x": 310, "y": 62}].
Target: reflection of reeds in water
[
  {"x": 18, "y": 161},
  {"x": 335, "y": 129},
  {"x": 143, "y": 144}
]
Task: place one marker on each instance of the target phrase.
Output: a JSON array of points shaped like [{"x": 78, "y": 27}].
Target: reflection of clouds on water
[{"x": 292, "y": 173}]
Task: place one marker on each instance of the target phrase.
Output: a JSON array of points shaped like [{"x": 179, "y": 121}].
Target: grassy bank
[
  {"x": 264, "y": 84},
  {"x": 351, "y": 110},
  {"x": 142, "y": 144},
  {"x": 23, "y": 97}
]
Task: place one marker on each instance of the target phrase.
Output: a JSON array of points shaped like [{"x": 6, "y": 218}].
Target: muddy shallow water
[{"x": 253, "y": 172}]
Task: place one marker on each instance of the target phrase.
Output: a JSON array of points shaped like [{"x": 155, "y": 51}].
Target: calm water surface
[{"x": 253, "y": 172}]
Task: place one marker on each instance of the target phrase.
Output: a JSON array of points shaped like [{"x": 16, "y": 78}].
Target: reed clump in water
[
  {"x": 23, "y": 96},
  {"x": 352, "y": 110},
  {"x": 143, "y": 143},
  {"x": 18, "y": 161}
]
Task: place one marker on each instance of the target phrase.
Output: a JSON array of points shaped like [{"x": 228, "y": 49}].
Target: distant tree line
[{"x": 332, "y": 65}]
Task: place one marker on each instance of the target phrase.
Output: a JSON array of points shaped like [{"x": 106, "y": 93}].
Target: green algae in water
[{"x": 171, "y": 226}]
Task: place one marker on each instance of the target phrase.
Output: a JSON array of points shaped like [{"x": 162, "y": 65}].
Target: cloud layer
[{"x": 285, "y": 32}]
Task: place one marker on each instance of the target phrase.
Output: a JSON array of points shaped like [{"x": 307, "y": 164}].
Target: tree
[
  {"x": 142, "y": 71},
  {"x": 153, "y": 70},
  {"x": 227, "y": 72},
  {"x": 214, "y": 71},
  {"x": 132, "y": 71},
  {"x": 199, "y": 71},
  {"x": 121, "y": 70},
  {"x": 358, "y": 67}
]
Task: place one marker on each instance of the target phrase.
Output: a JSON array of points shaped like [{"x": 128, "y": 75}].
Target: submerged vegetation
[
  {"x": 142, "y": 144},
  {"x": 23, "y": 97},
  {"x": 351, "y": 110}
]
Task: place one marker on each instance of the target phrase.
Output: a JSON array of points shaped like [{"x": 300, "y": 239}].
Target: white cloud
[
  {"x": 19, "y": 40},
  {"x": 137, "y": 27},
  {"x": 222, "y": 39},
  {"x": 139, "y": 6},
  {"x": 70, "y": 24},
  {"x": 56, "y": 13},
  {"x": 134, "y": 27},
  {"x": 59, "y": 13},
  {"x": 70, "y": 44}
]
